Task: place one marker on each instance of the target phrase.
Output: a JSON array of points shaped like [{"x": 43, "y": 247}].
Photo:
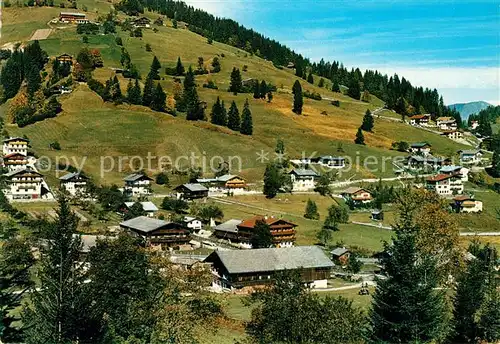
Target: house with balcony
[
  {"x": 446, "y": 123},
  {"x": 137, "y": 184},
  {"x": 15, "y": 145},
  {"x": 357, "y": 195},
  {"x": 191, "y": 191},
  {"x": 73, "y": 18},
  {"x": 239, "y": 269},
  {"x": 422, "y": 120},
  {"x": 453, "y": 134},
  {"x": 445, "y": 185},
  {"x": 74, "y": 183},
  {"x": 15, "y": 161},
  {"x": 225, "y": 183},
  {"x": 24, "y": 184},
  {"x": 420, "y": 148},
  {"x": 156, "y": 233},
  {"x": 303, "y": 179},
  {"x": 471, "y": 156}
]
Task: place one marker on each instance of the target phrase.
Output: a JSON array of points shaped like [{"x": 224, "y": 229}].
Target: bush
[
  {"x": 210, "y": 84},
  {"x": 312, "y": 95},
  {"x": 336, "y": 103},
  {"x": 119, "y": 41},
  {"x": 245, "y": 68},
  {"x": 148, "y": 47},
  {"x": 87, "y": 28},
  {"x": 5, "y": 54},
  {"x": 61, "y": 5},
  {"x": 55, "y": 145}
]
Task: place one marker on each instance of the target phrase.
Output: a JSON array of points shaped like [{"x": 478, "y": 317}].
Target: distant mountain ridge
[{"x": 467, "y": 109}]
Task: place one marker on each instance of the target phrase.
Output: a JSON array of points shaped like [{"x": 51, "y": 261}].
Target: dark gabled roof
[
  {"x": 16, "y": 139},
  {"x": 302, "y": 172},
  {"x": 339, "y": 251},
  {"x": 469, "y": 151},
  {"x": 272, "y": 259},
  {"x": 72, "y": 175},
  {"x": 24, "y": 170},
  {"x": 270, "y": 220},
  {"x": 439, "y": 177},
  {"x": 144, "y": 224},
  {"x": 135, "y": 177},
  {"x": 420, "y": 145},
  {"x": 192, "y": 187},
  {"x": 354, "y": 189},
  {"x": 146, "y": 206}
]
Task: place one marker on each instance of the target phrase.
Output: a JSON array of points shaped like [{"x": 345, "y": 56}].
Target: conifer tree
[
  {"x": 159, "y": 99},
  {"x": 256, "y": 90},
  {"x": 235, "y": 84},
  {"x": 134, "y": 95},
  {"x": 233, "y": 120},
  {"x": 115, "y": 90},
  {"x": 360, "y": 138},
  {"x": 407, "y": 306},
  {"x": 59, "y": 311},
  {"x": 335, "y": 86},
  {"x": 321, "y": 82},
  {"x": 298, "y": 101},
  {"x": 246, "y": 120},
  {"x": 179, "y": 68},
  {"x": 298, "y": 70},
  {"x": 33, "y": 78},
  {"x": 11, "y": 76},
  {"x": 367, "y": 124},
  {"x": 354, "y": 90},
  {"x": 310, "y": 78},
  {"x": 311, "y": 210},
  {"x": 155, "y": 69},
  {"x": 216, "y": 115},
  {"x": 263, "y": 89},
  {"x": 148, "y": 92},
  {"x": 223, "y": 114}
]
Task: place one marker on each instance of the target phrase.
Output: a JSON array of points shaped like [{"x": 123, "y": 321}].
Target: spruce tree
[
  {"x": 311, "y": 210},
  {"x": 263, "y": 89},
  {"x": 59, "y": 311},
  {"x": 495, "y": 163},
  {"x": 116, "y": 91},
  {"x": 354, "y": 90},
  {"x": 134, "y": 95},
  {"x": 155, "y": 69},
  {"x": 216, "y": 114},
  {"x": 367, "y": 124},
  {"x": 235, "y": 84},
  {"x": 11, "y": 77},
  {"x": 223, "y": 118},
  {"x": 159, "y": 99},
  {"x": 298, "y": 70},
  {"x": 33, "y": 78},
  {"x": 321, "y": 83},
  {"x": 272, "y": 180},
  {"x": 298, "y": 101},
  {"x": 335, "y": 86},
  {"x": 233, "y": 120},
  {"x": 360, "y": 138},
  {"x": 408, "y": 307},
  {"x": 179, "y": 68},
  {"x": 148, "y": 92},
  {"x": 194, "y": 111},
  {"x": 310, "y": 78},
  {"x": 246, "y": 120},
  {"x": 189, "y": 89},
  {"x": 256, "y": 90}
]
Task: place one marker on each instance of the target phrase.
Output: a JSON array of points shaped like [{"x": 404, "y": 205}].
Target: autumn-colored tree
[
  {"x": 97, "y": 58},
  {"x": 17, "y": 104}
]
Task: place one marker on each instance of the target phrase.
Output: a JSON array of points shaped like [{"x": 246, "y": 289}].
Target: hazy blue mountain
[{"x": 467, "y": 109}]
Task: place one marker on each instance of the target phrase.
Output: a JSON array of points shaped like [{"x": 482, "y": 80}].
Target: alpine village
[{"x": 170, "y": 176}]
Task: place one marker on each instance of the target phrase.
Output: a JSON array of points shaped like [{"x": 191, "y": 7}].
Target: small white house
[
  {"x": 15, "y": 145},
  {"x": 137, "y": 184},
  {"x": 192, "y": 223},
  {"x": 467, "y": 204},
  {"x": 446, "y": 123},
  {"x": 445, "y": 185},
  {"x": 303, "y": 179},
  {"x": 470, "y": 156},
  {"x": 75, "y": 183},
  {"x": 422, "y": 148}
]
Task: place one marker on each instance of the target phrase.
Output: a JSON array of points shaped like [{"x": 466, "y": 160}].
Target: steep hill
[
  {"x": 467, "y": 109},
  {"x": 100, "y": 132}
]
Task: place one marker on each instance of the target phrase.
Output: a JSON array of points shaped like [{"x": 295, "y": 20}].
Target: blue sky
[{"x": 451, "y": 45}]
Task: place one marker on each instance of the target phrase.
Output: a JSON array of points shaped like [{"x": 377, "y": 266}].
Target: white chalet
[
  {"x": 15, "y": 161},
  {"x": 303, "y": 179},
  {"x": 15, "y": 145},
  {"x": 423, "y": 148},
  {"x": 192, "y": 223},
  {"x": 446, "y": 123},
  {"x": 137, "y": 184},
  {"x": 23, "y": 184},
  {"x": 74, "y": 182},
  {"x": 445, "y": 185}
]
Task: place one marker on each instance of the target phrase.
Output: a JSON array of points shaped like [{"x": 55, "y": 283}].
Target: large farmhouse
[
  {"x": 445, "y": 184},
  {"x": 15, "y": 161},
  {"x": 157, "y": 233},
  {"x": 225, "y": 183},
  {"x": 236, "y": 269},
  {"x": 357, "y": 195},
  {"x": 23, "y": 184},
  {"x": 15, "y": 145},
  {"x": 191, "y": 191},
  {"x": 73, "y": 18}
]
